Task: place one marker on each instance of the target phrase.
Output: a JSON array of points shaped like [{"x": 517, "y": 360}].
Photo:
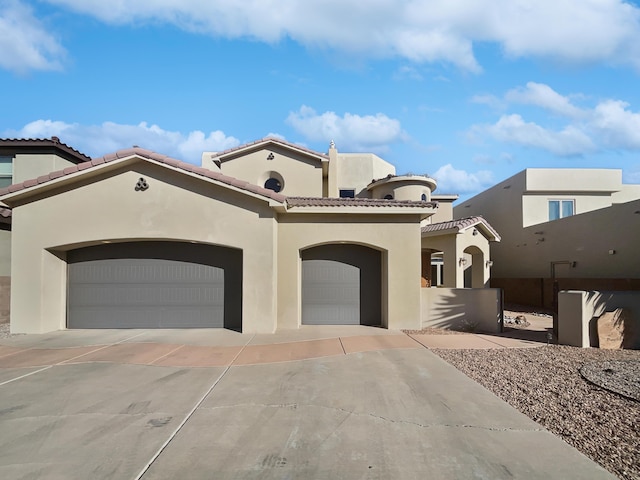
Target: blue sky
[{"x": 467, "y": 91}]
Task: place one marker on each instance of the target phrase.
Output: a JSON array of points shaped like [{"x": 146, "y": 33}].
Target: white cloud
[
  {"x": 544, "y": 96},
  {"x": 567, "y": 142},
  {"x": 489, "y": 100},
  {"x": 577, "y": 31},
  {"x": 616, "y": 125},
  {"x": 97, "y": 140},
  {"x": 350, "y": 132},
  {"x": 407, "y": 73},
  {"x": 608, "y": 124},
  {"x": 460, "y": 181},
  {"x": 25, "y": 43}
]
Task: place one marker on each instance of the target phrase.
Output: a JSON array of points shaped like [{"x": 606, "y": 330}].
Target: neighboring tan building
[
  {"x": 578, "y": 227},
  {"x": 20, "y": 160},
  {"x": 265, "y": 236}
]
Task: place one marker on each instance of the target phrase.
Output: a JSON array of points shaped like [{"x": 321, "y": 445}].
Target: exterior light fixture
[
  {"x": 462, "y": 262},
  {"x": 489, "y": 263}
]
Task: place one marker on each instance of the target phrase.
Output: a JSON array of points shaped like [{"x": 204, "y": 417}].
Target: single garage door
[
  {"x": 145, "y": 293},
  {"x": 330, "y": 293},
  {"x": 341, "y": 285}
]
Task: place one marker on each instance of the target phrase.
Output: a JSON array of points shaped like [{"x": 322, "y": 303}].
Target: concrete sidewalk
[{"x": 313, "y": 403}]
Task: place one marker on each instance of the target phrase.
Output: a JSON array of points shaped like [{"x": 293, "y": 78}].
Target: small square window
[
  {"x": 561, "y": 209},
  {"x": 347, "y": 193}
]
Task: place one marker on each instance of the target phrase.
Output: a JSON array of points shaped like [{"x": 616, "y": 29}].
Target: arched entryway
[
  {"x": 154, "y": 285},
  {"x": 474, "y": 266},
  {"x": 341, "y": 285}
]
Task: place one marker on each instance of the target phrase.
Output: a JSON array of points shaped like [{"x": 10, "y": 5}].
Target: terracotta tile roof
[
  {"x": 15, "y": 145},
  {"x": 461, "y": 224},
  {"x": 354, "y": 202},
  {"x": 267, "y": 140},
  {"x": 148, "y": 154}
]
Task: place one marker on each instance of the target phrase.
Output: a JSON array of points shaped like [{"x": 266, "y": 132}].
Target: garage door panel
[
  {"x": 330, "y": 293},
  {"x": 145, "y": 293}
]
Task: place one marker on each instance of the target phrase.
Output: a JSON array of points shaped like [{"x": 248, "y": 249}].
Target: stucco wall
[
  {"x": 573, "y": 179},
  {"x": 107, "y": 208},
  {"x": 301, "y": 175},
  {"x": 357, "y": 170},
  {"x": 466, "y": 309},
  {"x": 586, "y": 239},
  {"x": 578, "y": 311},
  {"x": 397, "y": 238},
  {"x": 5, "y": 253},
  {"x": 29, "y": 166}
]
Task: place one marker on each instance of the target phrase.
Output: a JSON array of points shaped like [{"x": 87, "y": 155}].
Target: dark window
[
  {"x": 273, "y": 184},
  {"x": 388, "y": 196},
  {"x": 6, "y": 171},
  {"x": 345, "y": 193},
  {"x": 424, "y": 197}
]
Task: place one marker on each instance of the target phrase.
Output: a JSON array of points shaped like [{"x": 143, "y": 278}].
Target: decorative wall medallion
[
  {"x": 271, "y": 156},
  {"x": 142, "y": 185}
]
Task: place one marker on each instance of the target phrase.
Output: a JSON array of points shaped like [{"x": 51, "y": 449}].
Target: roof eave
[{"x": 95, "y": 168}]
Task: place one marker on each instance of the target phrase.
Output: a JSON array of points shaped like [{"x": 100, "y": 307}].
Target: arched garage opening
[
  {"x": 154, "y": 285},
  {"x": 341, "y": 285}
]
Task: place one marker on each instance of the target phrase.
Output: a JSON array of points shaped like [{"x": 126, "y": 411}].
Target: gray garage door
[
  {"x": 330, "y": 293},
  {"x": 145, "y": 293}
]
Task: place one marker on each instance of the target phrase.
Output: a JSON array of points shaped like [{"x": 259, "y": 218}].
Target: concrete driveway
[{"x": 319, "y": 402}]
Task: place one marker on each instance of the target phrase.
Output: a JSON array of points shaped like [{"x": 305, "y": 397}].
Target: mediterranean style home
[
  {"x": 577, "y": 228},
  {"x": 269, "y": 235}
]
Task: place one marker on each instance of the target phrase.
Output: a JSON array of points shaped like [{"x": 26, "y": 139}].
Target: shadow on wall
[
  {"x": 471, "y": 310},
  {"x": 597, "y": 303}
]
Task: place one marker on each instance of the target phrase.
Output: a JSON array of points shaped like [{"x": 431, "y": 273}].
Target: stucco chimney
[{"x": 333, "y": 171}]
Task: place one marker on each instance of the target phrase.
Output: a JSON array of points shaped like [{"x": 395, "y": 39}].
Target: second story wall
[
  {"x": 357, "y": 170},
  {"x": 299, "y": 175},
  {"x": 28, "y": 166}
]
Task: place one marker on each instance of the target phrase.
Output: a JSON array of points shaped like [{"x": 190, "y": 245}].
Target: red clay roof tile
[
  {"x": 44, "y": 144},
  {"x": 461, "y": 224},
  {"x": 354, "y": 202},
  {"x": 148, "y": 154},
  {"x": 269, "y": 140}
]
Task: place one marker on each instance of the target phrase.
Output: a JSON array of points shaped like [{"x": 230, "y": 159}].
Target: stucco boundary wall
[
  {"x": 5, "y": 299},
  {"x": 578, "y": 311},
  {"x": 472, "y": 309},
  {"x": 538, "y": 292}
]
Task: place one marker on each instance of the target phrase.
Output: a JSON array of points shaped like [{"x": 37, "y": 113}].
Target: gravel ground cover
[
  {"x": 545, "y": 384},
  {"x": 4, "y": 330}
]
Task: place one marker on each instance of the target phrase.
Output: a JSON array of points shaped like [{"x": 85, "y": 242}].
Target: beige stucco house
[
  {"x": 266, "y": 236},
  {"x": 577, "y": 227}
]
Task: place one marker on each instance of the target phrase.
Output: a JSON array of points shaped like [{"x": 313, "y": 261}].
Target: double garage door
[{"x": 133, "y": 286}]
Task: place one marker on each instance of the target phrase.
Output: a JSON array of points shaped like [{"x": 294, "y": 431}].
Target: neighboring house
[
  {"x": 20, "y": 160},
  {"x": 578, "y": 227},
  {"x": 264, "y": 236}
]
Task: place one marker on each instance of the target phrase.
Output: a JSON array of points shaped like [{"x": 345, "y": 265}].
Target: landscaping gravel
[
  {"x": 545, "y": 384},
  {"x": 4, "y": 330}
]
